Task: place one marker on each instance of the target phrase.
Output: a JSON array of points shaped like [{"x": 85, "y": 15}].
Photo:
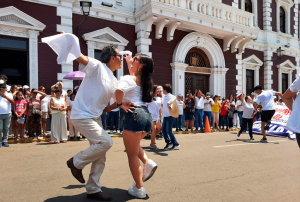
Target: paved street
[{"x": 208, "y": 167}]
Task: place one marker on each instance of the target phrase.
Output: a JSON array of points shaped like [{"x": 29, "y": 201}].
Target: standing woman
[
  {"x": 216, "y": 111},
  {"x": 231, "y": 111},
  {"x": 247, "y": 115},
  {"x": 155, "y": 110},
  {"x": 34, "y": 119},
  {"x": 14, "y": 90},
  {"x": 137, "y": 88},
  {"x": 189, "y": 111},
  {"x": 58, "y": 123},
  {"x": 236, "y": 120}
]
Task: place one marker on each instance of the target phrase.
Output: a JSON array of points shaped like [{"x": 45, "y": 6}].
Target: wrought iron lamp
[
  {"x": 85, "y": 6},
  {"x": 279, "y": 52}
]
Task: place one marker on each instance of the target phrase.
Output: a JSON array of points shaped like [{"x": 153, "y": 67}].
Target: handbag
[
  {"x": 35, "y": 111},
  {"x": 230, "y": 114}
]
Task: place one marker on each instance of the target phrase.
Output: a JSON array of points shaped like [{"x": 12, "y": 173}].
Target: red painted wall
[
  {"x": 47, "y": 64},
  {"x": 260, "y": 16},
  {"x": 228, "y": 2},
  {"x": 162, "y": 54},
  {"x": 273, "y": 15},
  {"x": 292, "y": 31},
  {"x": 93, "y": 24}
]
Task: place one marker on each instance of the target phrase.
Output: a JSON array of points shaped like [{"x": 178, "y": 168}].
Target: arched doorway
[{"x": 197, "y": 72}]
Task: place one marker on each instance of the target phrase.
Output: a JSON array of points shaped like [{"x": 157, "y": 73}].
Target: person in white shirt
[
  {"x": 240, "y": 109},
  {"x": 208, "y": 103},
  {"x": 154, "y": 108},
  {"x": 137, "y": 88},
  {"x": 268, "y": 108},
  {"x": 44, "y": 109},
  {"x": 181, "y": 106},
  {"x": 73, "y": 132},
  {"x": 167, "y": 126},
  {"x": 6, "y": 99},
  {"x": 248, "y": 115},
  {"x": 5, "y": 78},
  {"x": 199, "y": 110},
  {"x": 293, "y": 104},
  {"x": 96, "y": 90}
]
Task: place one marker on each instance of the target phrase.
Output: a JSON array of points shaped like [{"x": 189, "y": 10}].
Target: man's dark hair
[
  {"x": 258, "y": 87},
  {"x": 107, "y": 52},
  {"x": 69, "y": 91},
  {"x": 167, "y": 87},
  {"x": 41, "y": 87},
  {"x": 4, "y": 77}
]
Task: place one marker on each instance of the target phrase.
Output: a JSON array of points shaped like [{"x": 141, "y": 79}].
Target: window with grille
[
  {"x": 282, "y": 20},
  {"x": 188, "y": 84},
  {"x": 195, "y": 59}
]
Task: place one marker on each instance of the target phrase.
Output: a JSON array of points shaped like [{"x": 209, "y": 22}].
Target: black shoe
[
  {"x": 147, "y": 137},
  {"x": 201, "y": 131},
  {"x": 177, "y": 130},
  {"x": 77, "y": 173},
  {"x": 267, "y": 126},
  {"x": 264, "y": 140},
  {"x": 175, "y": 147},
  {"x": 180, "y": 129},
  {"x": 168, "y": 147},
  {"x": 227, "y": 129},
  {"x": 251, "y": 138},
  {"x": 5, "y": 144},
  {"x": 238, "y": 134},
  {"x": 71, "y": 138}
]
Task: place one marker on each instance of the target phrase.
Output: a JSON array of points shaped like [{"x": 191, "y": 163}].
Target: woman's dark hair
[
  {"x": 107, "y": 52},
  {"x": 215, "y": 97},
  {"x": 72, "y": 95},
  {"x": 12, "y": 88},
  {"x": 167, "y": 87},
  {"x": 258, "y": 87},
  {"x": 16, "y": 97},
  {"x": 146, "y": 78},
  {"x": 231, "y": 96},
  {"x": 154, "y": 92},
  {"x": 33, "y": 90}
]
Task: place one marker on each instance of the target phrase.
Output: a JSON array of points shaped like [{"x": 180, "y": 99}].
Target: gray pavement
[{"x": 208, "y": 167}]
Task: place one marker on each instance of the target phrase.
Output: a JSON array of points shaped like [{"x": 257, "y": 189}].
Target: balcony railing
[{"x": 211, "y": 8}]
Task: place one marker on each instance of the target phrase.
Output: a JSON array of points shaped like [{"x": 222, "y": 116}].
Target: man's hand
[
  {"x": 127, "y": 106},
  {"x": 169, "y": 106}
]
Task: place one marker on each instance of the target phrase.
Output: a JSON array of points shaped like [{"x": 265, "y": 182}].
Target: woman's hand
[
  {"x": 128, "y": 59},
  {"x": 127, "y": 106}
]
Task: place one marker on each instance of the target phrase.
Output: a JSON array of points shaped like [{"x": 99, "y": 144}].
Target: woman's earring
[{"x": 139, "y": 70}]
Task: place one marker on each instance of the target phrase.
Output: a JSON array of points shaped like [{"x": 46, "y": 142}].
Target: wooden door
[{"x": 196, "y": 81}]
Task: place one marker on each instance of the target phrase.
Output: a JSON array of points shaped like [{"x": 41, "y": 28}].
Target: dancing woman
[{"x": 137, "y": 88}]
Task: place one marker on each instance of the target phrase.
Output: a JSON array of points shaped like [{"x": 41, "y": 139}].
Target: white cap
[
  {"x": 274, "y": 97},
  {"x": 239, "y": 93},
  {"x": 76, "y": 87},
  {"x": 26, "y": 87}
]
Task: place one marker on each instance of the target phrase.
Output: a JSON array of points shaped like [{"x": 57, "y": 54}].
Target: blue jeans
[
  {"x": 224, "y": 119},
  {"x": 178, "y": 122},
  {"x": 240, "y": 115},
  {"x": 167, "y": 130},
  {"x": 199, "y": 119},
  {"x": 207, "y": 114},
  {"x": 5, "y": 120},
  {"x": 103, "y": 119},
  {"x": 114, "y": 120}
]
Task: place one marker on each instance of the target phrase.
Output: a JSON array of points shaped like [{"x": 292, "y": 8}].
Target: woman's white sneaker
[
  {"x": 138, "y": 193},
  {"x": 149, "y": 170}
]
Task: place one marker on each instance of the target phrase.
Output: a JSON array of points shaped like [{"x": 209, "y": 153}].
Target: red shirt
[{"x": 224, "y": 109}]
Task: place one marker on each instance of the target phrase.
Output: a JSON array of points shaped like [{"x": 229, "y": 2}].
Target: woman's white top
[
  {"x": 44, "y": 104},
  {"x": 132, "y": 92},
  {"x": 180, "y": 107},
  {"x": 294, "y": 120},
  {"x": 248, "y": 110},
  {"x": 70, "y": 104},
  {"x": 241, "y": 108},
  {"x": 154, "y": 108},
  {"x": 5, "y": 106},
  {"x": 58, "y": 103}
]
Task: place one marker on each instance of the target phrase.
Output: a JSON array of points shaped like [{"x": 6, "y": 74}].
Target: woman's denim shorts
[{"x": 140, "y": 120}]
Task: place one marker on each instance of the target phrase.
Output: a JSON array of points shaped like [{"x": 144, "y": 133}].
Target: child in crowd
[{"x": 20, "y": 107}]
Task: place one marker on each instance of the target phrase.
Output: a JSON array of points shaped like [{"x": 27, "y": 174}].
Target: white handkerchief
[{"x": 66, "y": 46}]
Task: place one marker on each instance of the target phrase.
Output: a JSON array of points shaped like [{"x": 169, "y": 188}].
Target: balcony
[{"x": 233, "y": 25}]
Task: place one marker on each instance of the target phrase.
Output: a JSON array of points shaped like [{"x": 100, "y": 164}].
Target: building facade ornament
[
  {"x": 286, "y": 67},
  {"x": 252, "y": 63}
]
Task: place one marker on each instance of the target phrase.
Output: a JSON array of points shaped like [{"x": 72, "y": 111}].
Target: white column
[
  {"x": 296, "y": 17},
  {"x": 217, "y": 81},
  {"x": 142, "y": 41},
  {"x": 178, "y": 78},
  {"x": 244, "y": 76},
  {"x": 267, "y": 14},
  {"x": 239, "y": 76},
  {"x": 120, "y": 72},
  {"x": 280, "y": 80},
  {"x": 33, "y": 59},
  {"x": 256, "y": 76},
  {"x": 290, "y": 81},
  {"x": 65, "y": 12},
  {"x": 297, "y": 65},
  {"x": 268, "y": 72},
  {"x": 91, "y": 49}
]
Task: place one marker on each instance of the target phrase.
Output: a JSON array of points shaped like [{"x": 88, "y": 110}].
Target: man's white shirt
[
  {"x": 199, "y": 103},
  {"x": 167, "y": 99},
  {"x": 95, "y": 92}
]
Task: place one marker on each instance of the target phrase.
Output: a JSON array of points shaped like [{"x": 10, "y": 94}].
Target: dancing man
[{"x": 91, "y": 101}]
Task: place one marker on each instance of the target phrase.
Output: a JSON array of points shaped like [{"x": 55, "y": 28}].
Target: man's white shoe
[
  {"x": 149, "y": 170},
  {"x": 138, "y": 193}
]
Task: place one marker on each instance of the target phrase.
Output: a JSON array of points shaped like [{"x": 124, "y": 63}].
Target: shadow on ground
[
  {"x": 119, "y": 195},
  {"x": 251, "y": 141},
  {"x": 160, "y": 152}
]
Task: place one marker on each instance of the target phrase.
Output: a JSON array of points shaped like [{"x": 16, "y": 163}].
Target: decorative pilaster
[
  {"x": 297, "y": 65},
  {"x": 296, "y": 17},
  {"x": 217, "y": 81},
  {"x": 143, "y": 29},
  {"x": 268, "y": 72},
  {"x": 178, "y": 78},
  {"x": 267, "y": 14},
  {"x": 33, "y": 61},
  {"x": 239, "y": 76}
]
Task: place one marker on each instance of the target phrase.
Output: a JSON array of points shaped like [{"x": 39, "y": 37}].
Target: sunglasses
[
  {"x": 34, "y": 93},
  {"x": 121, "y": 56},
  {"x": 58, "y": 92},
  {"x": 136, "y": 59}
]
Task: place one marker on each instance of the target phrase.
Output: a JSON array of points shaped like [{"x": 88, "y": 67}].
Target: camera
[{"x": 259, "y": 106}]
